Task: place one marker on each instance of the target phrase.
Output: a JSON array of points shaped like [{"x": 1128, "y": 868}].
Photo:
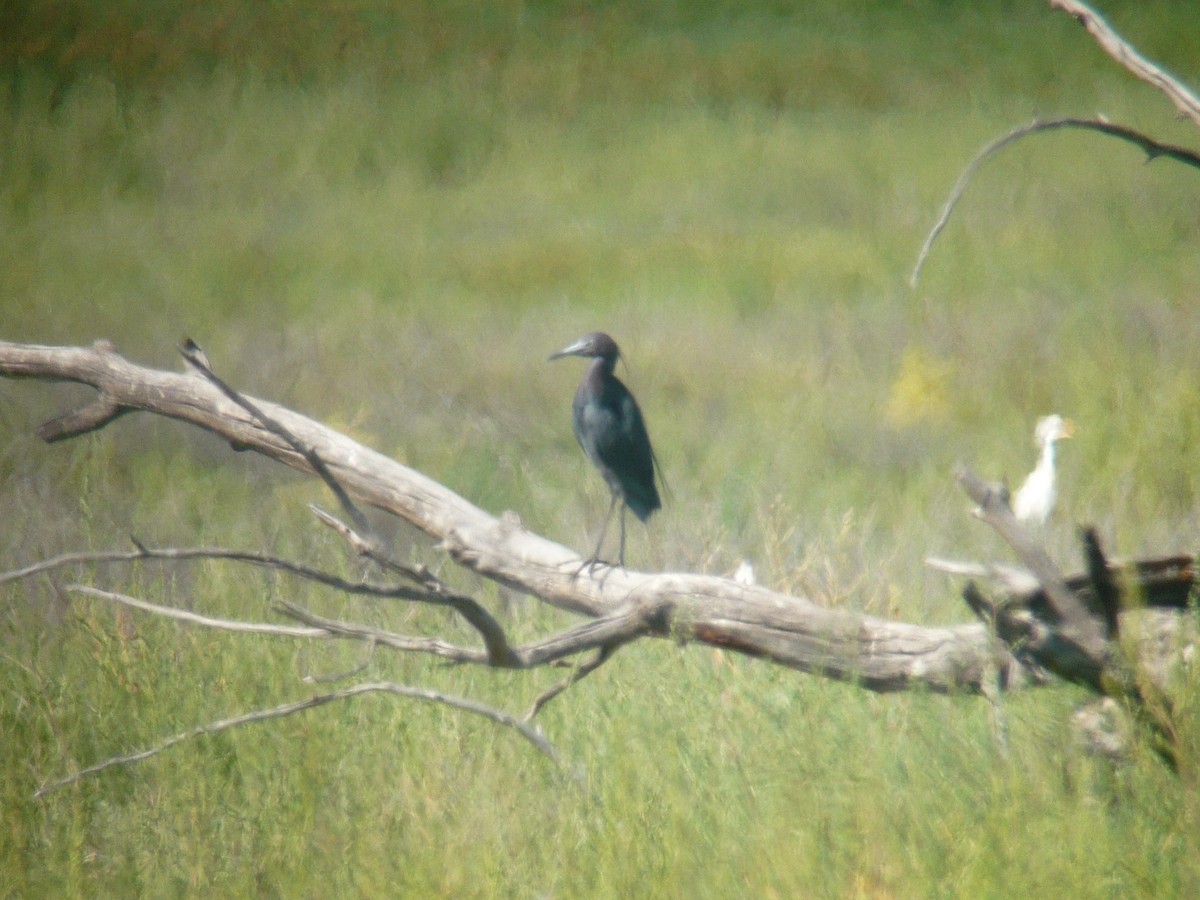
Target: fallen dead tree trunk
[
  {"x": 792, "y": 631},
  {"x": 1042, "y": 621}
]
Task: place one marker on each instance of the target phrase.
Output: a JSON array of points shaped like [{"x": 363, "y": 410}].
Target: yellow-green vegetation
[{"x": 386, "y": 215}]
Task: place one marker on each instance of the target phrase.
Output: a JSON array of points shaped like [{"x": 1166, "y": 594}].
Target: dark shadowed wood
[
  {"x": 1103, "y": 584},
  {"x": 1074, "y": 644}
]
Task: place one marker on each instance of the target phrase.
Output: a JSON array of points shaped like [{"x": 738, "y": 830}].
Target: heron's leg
[
  {"x": 591, "y": 563},
  {"x": 621, "y": 557}
]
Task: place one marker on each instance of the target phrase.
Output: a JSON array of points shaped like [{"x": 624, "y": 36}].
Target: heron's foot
[{"x": 590, "y": 565}]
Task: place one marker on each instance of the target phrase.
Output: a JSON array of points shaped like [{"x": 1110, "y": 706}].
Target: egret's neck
[{"x": 1046, "y": 462}]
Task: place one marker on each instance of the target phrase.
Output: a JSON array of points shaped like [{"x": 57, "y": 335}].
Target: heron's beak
[
  {"x": 1068, "y": 430},
  {"x": 572, "y": 350}
]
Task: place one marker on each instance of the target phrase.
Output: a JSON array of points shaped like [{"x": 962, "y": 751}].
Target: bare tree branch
[
  {"x": 1184, "y": 99},
  {"x": 379, "y": 638},
  {"x": 499, "y": 652},
  {"x": 792, "y": 631},
  {"x": 531, "y": 734},
  {"x": 1152, "y": 148},
  {"x": 262, "y": 560},
  {"x": 608, "y": 632},
  {"x": 198, "y": 360},
  {"x": 1103, "y": 584},
  {"x": 372, "y": 546},
  {"x": 81, "y": 421},
  {"x": 1073, "y": 623},
  {"x": 343, "y": 676},
  {"x": 578, "y": 673},
  {"x": 183, "y": 615},
  {"x": 1163, "y": 583}
]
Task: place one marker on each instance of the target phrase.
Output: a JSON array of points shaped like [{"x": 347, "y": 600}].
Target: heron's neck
[{"x": 602, "y": 366}]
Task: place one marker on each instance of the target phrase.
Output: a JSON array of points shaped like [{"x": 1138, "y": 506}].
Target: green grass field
[{"x": 387, "y": 216}]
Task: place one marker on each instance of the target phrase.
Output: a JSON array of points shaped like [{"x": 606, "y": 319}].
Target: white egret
[{"x": 1036, "y": 497}]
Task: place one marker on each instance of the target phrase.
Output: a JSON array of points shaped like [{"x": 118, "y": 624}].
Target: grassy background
[{"x": 387, "y": 216}]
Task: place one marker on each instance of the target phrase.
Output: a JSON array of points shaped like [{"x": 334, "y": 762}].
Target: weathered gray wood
[
  {"x": 788, "y": 630},
  {"x": 879, "y": 654},
  {"x": 1186, "y": 102}
]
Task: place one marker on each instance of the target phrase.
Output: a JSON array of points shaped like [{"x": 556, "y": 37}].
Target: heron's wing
[{"x": 622, "y": 447}]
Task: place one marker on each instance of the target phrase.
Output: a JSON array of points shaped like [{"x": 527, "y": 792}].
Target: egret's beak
[
  {"x": 574, "y": 349},
  {"x": 1068, "y": 430}
]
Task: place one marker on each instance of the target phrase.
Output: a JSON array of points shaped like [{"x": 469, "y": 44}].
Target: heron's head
[
  {"x": 1052, "y": 428},
  {"x": 597, "y": 344}
]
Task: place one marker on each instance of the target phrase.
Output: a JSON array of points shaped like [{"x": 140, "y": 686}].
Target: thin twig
[
  {"x": 199, "y": 361},
  {"x": 1015, "y": 579},
  {"x": 495, "y": 640},
  {"x": 354, "y": 631},
  {"x": 610, "y": 631},
  {"x": 530, "y": 734},
  {"x": 1152, "y": 148},
  {"x": 192, "y": 618},
  {"x": 329, "y": 678},
  {"x": 578, "y": 673},
  {"x": 66, "y": 559},
  {"x": 253, "y": 558},
  {"x": 367, "y": 549},
  {"x": 992, "y": 684},
  {"x": 318, "y": 627},
  {"x": 432, "y": 589}
]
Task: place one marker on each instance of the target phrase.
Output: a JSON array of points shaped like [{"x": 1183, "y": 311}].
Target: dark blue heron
[{"x": 609, "y": 428}]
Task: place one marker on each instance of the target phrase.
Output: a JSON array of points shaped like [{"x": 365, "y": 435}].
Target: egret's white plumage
[
  {"x": 1036, "y": 497},
  {"x": 744, "y": 573}
]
